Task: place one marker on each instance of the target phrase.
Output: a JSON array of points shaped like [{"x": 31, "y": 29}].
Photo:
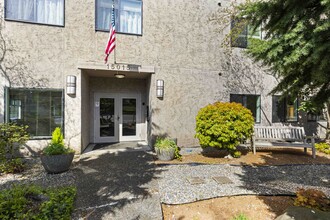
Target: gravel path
[
  {"x": 175, "y": 188},
  {"x": 35, "y": 174}
]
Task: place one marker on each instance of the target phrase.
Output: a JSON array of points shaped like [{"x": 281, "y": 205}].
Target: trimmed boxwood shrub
[{"x": 223, "y": 125}]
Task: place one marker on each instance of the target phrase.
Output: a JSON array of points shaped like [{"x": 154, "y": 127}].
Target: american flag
[{"x": 112, "y": 35}]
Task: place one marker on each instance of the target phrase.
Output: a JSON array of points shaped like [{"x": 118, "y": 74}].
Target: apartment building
[{"x": 168, "y": 63}]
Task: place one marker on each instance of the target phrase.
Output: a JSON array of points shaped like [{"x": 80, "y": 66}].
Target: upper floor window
[
  {"x": 284, "y": 110},
  {"x": 36, "y": 11},
  {"x": 128, "y": 16},
  {"x": 315, "y": 116},
  {"x": 40, "y": 109},
  {"x": 251, "y": 102},
  {"x": 241, "y": 33}
]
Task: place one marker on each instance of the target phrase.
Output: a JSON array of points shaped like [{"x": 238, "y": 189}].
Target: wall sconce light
[
  {"x": 160, "y": 88},
  {"x": 71, "y": 85}
]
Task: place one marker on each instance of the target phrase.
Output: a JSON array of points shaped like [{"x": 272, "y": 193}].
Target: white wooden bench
[{"x": 271, "y": 136}]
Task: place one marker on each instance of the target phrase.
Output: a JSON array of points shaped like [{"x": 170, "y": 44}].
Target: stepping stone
[
  {"x": 195, "y": 180},
  {"x": 222, "y": 180}
]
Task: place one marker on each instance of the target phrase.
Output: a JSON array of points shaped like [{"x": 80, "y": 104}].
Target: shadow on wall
[
  {"x": 113, "y": 183},
  {"x": 242, "y": 76},
  {"x": 14, "y": 67}
]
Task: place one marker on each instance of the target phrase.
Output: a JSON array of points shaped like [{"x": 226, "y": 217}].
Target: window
[
  {"x": 318, "y": 116},
  {"x": 41, "y": 110},
  {"x": 36, "y": 11},
  {"x": 251, "y": 102},
  {"x": 284, "y": 110},
  {"x": 128, "y": 16},
  {"x": 241, "y": 33}
]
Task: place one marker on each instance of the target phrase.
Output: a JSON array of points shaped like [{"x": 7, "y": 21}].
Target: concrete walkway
[{"x": 120, "y": 185}]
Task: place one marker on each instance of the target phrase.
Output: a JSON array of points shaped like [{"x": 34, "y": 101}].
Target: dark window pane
[
  {"x": 129, "y": 117},
  {"x": 278, "y": 109},
  {"x": 236, "y": 98},
  {"x": 41, "y": 110},
  {"x": 311, "y": 116},
  {"x": 107, "y": 117},
  {"x": 239, "y": 34},
  {"x": 251, "y": 102}
]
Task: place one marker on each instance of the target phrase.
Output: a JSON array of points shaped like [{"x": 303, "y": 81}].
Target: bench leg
[
  {"x": 305, "y": 150},
  {"x": 253, "y": 144},
  {"x": 314, "y": 152}
]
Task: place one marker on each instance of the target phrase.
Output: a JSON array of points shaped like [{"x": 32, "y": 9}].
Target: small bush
[
  {"x": 14, "y": 165},
  {"x": 167, "y": 143},
  {"x": 223, "y": 125},
  {"x": 57, "y": 147},
  {"x": 323, "y": 147},
  {"x": 57, "y": 137},
  {"x": 11, "y": 137},
  {"x": 32, "y": 202},
  {"x": 312, "y": 198}
]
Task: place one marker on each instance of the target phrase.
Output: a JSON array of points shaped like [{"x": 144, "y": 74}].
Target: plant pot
[
  {"x": 57, "y": 163},
  {"x": 165, "y": 154}
]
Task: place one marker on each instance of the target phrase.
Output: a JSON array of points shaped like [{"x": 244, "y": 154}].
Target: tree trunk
[{"x": 327, "y": 112}]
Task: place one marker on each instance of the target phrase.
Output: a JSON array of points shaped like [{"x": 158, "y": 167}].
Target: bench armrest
[{"x": 312, "y": 138}]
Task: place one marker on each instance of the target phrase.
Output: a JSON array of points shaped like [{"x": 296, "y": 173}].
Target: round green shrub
[{"x": 223, "y": 125}]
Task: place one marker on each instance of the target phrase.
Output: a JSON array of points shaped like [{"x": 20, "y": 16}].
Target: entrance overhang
[{"x": 109, "y": 70}]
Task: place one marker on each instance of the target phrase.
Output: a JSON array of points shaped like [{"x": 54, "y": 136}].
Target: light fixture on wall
[
  {"x": 70, "y": 85},
  {"x": 119, "y": 75},
  {"x": 160, "y": 88}
]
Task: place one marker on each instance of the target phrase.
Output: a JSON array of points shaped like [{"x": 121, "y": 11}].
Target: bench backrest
[{"x": 279, "y": 133}]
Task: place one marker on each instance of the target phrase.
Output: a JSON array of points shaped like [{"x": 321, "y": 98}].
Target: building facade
[{"x": 168, "y": 63}]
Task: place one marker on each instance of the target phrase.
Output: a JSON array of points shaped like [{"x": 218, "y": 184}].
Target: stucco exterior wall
[{"x": 178, "y": 40}]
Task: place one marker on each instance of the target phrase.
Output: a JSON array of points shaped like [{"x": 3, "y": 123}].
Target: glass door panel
[
  {"x": 129, "y": 117},
  {"x": 107, "y": 117}
]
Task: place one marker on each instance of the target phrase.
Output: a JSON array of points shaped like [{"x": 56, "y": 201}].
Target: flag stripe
[{"x": 111, "y": 44}]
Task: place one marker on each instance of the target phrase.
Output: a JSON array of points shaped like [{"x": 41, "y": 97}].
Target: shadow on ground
[
  {"x": 275, "y": 173},
  {"x": 119, "y": 185},
  {"x": 285, "y": 169}
]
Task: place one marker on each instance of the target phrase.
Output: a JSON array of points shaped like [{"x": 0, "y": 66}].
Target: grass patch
[
  {"x": 34, "y": 202},
  {"x": 240, "y": 217}
]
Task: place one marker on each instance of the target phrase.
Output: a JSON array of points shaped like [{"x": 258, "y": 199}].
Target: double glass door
[{"x": 116, "y": 117}]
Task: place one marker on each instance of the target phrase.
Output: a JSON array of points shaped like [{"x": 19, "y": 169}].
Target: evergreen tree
[{"x": 296, "y": 45}]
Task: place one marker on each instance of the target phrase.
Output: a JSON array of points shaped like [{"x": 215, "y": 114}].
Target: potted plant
[
  {"x": 166, "y": 149},
  {"x": 56, "y": 157}
]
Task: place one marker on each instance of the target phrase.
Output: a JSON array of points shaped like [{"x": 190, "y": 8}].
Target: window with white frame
[
  {"x": 241, "y": 33},
  {"x": 40, "y": 109},
  {"x": 128, "y": 16},
  {"x": 252, "y": 102},
  {"x": 35, "y": 11},
  {"x": 284, "y": 109}
]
